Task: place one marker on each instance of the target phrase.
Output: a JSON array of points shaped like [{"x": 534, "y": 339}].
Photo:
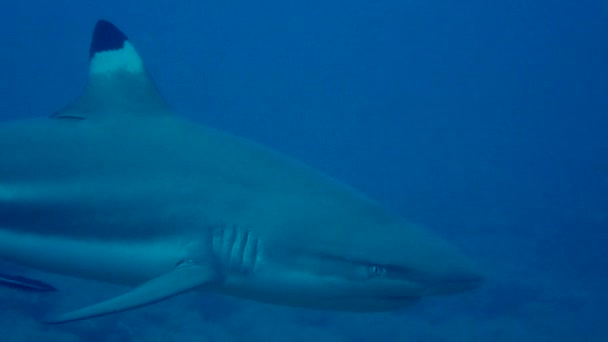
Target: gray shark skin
[{"x": 117, "y": 188}]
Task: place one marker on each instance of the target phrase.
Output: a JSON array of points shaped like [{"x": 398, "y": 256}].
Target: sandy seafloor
[{"x": 484, "y": 121}]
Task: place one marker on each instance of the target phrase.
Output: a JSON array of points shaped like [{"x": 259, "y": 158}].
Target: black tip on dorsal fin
[{"x": 106, "y": 37}]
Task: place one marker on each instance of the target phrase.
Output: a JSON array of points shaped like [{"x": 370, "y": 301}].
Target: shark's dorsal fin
[{"x": 118, "y": 84}]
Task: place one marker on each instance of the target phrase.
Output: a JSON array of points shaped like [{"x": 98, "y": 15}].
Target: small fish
[{"x": 27, "y": 284}]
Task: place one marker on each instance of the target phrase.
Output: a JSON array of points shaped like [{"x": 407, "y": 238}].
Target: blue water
[{"x": 484, "y": 120}]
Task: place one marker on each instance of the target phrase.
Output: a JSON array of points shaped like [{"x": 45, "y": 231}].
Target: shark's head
[{"x": 358, "y": 257}]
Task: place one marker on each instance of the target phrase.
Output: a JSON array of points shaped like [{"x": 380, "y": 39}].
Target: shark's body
[{"x": 117, "y": 188}]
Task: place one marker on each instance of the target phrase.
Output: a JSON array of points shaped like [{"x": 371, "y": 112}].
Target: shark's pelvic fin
[
  {"x": 118, "y": 84},
  {"x": 23, "y": 283},
  {"x": 184, "y": 277}
]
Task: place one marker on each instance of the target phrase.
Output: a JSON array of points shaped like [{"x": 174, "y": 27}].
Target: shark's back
[
  {"x": 117, "y": 163},
  {"x": 177, "y": 169}
]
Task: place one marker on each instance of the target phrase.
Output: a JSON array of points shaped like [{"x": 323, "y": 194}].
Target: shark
[{"x": 116, "y": 187}]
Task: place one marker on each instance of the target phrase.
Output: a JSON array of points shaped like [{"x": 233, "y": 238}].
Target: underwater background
[{"x": 485, "y": 121}]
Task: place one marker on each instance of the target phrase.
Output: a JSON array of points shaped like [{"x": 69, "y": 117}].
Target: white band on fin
[{"x": 125, "y": 59}]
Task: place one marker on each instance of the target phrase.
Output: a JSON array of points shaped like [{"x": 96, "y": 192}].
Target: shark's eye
[{"x": 376, "y": 271}]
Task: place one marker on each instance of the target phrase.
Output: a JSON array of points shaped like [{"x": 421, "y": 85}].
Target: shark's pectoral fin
[{"x": 185, "y": 277}]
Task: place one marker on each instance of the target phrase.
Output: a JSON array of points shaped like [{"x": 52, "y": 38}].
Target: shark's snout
[
  {"x": 440, "y": 267},
  {"x": 457, "y": 274}
]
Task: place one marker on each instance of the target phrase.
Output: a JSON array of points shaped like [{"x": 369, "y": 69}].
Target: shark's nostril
[
  {"x": 470, "y": 282},
  {"x": 455, "y": 285}
]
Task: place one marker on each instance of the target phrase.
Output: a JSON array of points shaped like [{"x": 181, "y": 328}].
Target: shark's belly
[
  {"x": 121, "y": 214},
  {"x": 95, "y": 225},
  {"x": 119, "y": 262}
]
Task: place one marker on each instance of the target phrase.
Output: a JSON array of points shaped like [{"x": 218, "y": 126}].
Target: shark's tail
[{"x": 26, "y": 284}]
